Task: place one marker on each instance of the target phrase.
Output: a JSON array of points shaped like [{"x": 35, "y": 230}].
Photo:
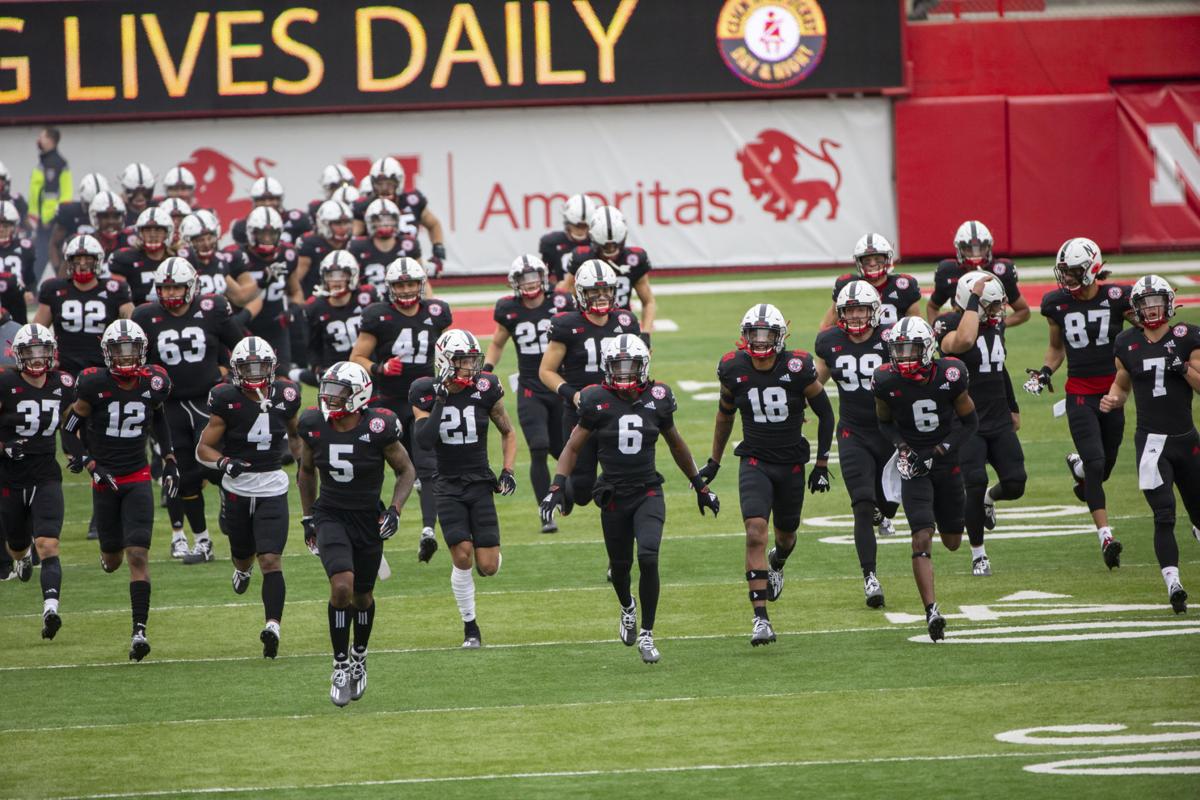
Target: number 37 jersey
[
  {"x": 33, "y": 414},
  {"x": 771, "y": 404}
]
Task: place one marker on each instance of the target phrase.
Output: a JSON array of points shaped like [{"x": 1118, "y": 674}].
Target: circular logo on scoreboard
[{"x": 771, "y": 44}]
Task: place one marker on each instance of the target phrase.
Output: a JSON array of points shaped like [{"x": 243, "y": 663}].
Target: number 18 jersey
[{"x": 771, "y": 404}]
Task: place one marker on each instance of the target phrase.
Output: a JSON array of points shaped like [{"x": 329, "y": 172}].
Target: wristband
[
  {"x": 489, "y": 367},
  {"x": 1047, "y": 371},
  {"x": 559, "y": 481},
  {"x": 566, "y": 392},
  {"x": 698, "y": 483},
  {"x": 973, "y": 303}
]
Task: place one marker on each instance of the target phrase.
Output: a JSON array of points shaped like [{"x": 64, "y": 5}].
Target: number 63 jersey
[
  {"x": 771, "y": 404},
  {"x": 626, "y": 431},
  {"x": 119, "y": 424}
]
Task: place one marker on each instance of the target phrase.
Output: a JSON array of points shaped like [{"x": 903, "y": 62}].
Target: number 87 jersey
[
  {"x": 771, "y": 403},
  {"x": 1089, "y": 330}
]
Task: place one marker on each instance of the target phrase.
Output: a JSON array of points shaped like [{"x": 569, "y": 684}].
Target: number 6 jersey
[
  {"x": 771, "y": 404},
  {"x": 627, "y": 430}
]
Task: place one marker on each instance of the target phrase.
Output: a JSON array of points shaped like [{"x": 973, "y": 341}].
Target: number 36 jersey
[
  {"x": 350, "y": 462},
  {"x": 461, "y": 445},
  {"x": 80, "y": 317},
  {"x": 119, "y": 424},
  {"x": 33, "y": 414},
  {"x": 852, "y": 364},
  {"x": 1089, "y": 329},
  {"x": 254, "y": 433},
  {"x": 771, "y": 404},
  {"x": 626, "y": 431},
  {"x": 411, "y": 339}
]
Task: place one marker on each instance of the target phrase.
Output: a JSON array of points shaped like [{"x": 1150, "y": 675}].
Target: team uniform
[
  {"x": 896, "y": 295},
  {"x": 948, "y": 272},
  {"x": 132, "y": 265},
  {"x": 333, "y": 329},
  {"x": 557, "y": 250},
  {"x": 211, "y": 274},
  {"x": 412, "y": 206},
  {"x": 314, "y": 247},
  {"x": 72, "y": 217},
  {"x": 373, "y": 262},
  {"x": 273, "y": 321},
  {"x": 631, "y": 265},
  {"x": 79, "y": 317},
  {"x": 16, "y": 261},
  {"x": 295, "y": 224}
]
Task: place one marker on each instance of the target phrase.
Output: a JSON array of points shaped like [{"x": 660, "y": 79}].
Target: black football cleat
[
  {"x": 1178, "y": 598},
  {"x": 1112, "y": 553}
]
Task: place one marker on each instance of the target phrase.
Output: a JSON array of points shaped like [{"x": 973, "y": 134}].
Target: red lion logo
[
  {"x": 215, "y": 173},
  {"x": 771, "y": 168}
]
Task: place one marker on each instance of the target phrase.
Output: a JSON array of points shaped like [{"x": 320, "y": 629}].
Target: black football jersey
[
  {"x": 372, "y": 261},
  {"x": 923, "y": 410},
  {"x": 351, "y": 463},
  {"x": 945, "y": 279},
  {"x": 33, "y": 413},
  {"x": 332, "y": 329},
  {"x": 631, "y": 265},
  {"x": 626, "y": 431},
  {"x": 557, "y": 249},
  {"x": 80, "y": 317},
  {"x": 584, "y": 340},
  {"x": 896, "y": 296},
  {"x": 275, "y": 302},
  {"x": 133, "y": 266},
  {"x": 71, "y": 217},
  {"x": 120, "y": 423},
  {"x": 985, "y": 365},
  {"x": 530, "y": 328},
  {"x": 314, "y": 247},
  {"x": 1164, "y": 398},
  {"x": 210, "y": 275},
  {"x": 188, "y": 346},
  {"x": 770, "y": 403},
  {"x": 1089, "y": 327},
  {"x": 852, "y": 364},
  {"x": 409, "y": 338},
  {"x": 462, "y": 442},
  {"x": 16, "y": 258},
  {"x": 296, "y": 223},
  {"x": 412, "y": 206},
  {"x": 252, "y": 433}
]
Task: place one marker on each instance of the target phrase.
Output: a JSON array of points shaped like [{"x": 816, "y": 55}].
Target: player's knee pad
[
  {"x": 1164, "y": 517},
  {"x": 974, "y": 477},
  {"x": 787, "y": 524},
  {"x": 1013, "y": 489}
]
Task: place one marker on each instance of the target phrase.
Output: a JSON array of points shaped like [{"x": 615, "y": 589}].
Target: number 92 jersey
[
  {"x": 252, "y": 433},
  {"x": 350, "y": 462},
  {"x": 852, "y": 364},
  {"x": 119, "y": 424},
  {"x": 771, "y": 404},
  {"x": 1164, "y": 398},
  {"x": 461, "y": 444},
  {"x": 33, "y": 414},
  {"x": 411, "y": 339},
  {"x": 627, "y": 430},
  {"x": 530, "y": 329},
  {"x": 80, "y": 317},
  {"x": 1089, "y": 328},
  {"x": 924, "y": 409}
]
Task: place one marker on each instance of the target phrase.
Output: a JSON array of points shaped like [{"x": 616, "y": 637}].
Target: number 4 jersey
[
  {"x": 1089, "y": 329},
  {"x": 80, "y": 317},
  {"x": 771, "y": 404},
  {"x": 33, "y": 413},
  {"x": 119, "y": 424},
  {"x": 255, "y": 428}
]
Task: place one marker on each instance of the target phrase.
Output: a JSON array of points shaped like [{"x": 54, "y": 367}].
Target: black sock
[
  {"x": 539, "y": 474},
  {"x": 193, "y": 509},
  {"x": 648, "y": 590},
  {"x": 864, "y": 535},
  {"x": 139, "y": 601},
  {"x": 620, "y": 582},
  {"x": 364, "y": 618},
  {"x": 428, "y": 503},
  {"x": 175, "y": 512},
  {"x": 781, "y": 553},
  {"x": 1166, "y": 549},
  {"x": 51, "y": 578},
  {"x": 761, "y": 612},
  {"x": 339, "y": 631},
  {"x": 973, "y": 514},
  {"x": 274, "y": 590}
]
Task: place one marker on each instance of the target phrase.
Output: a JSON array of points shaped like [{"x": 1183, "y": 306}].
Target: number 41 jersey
[
  {"x": 771, "y": 404},
  {"x": 411, "y": 339}
]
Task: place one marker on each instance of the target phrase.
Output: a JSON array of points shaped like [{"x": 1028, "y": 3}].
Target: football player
[
  {"x": 180, "y": 184},
  {"x": 17, "y": 258},
  {"x": 525, "y": 317},
  {"x": 7, "y": 194},
  {"x": 33, "y": 399},
  {"x": 383, "y": 243},
  {"x": 1084, "y": 316},
  {"x": 557, "y": 248},
  {"x": 333, "y": 226},
  {"x": 899, "y": 295},
  {"x": 395, "y": 345},
  {"x": 973, "y": 250},
  {"x": 136, "y": 263},
  {"x": 178, "y": 211},
  {"x": 387, "y": 180},
  {"x": 627, "y": 414},
  {"x": 198, "y": 236},
  {"x": 917, "y": 400},
  {"x": 262, "y": 267},
  {"x": 249, "y": 418},
  {"x": 850, "y": 353},
  {"x": 572, "y": 360},
  {"x": 346, "y": 523},
  {"x": 451, "y": 411},
  {"x": 72, "y": 216},
  {"x": 108, "y": 428},
  {"x": 268, "y": 192},
  {"x": 334, "y": 314},
  {"x": 974, "y": 334},
  {"x": 770, "y": 387},
  {"x": 137, "y": 186},
  {"x": 333, "y": 177},
  {"x": 186, "y": 332},
  {"x": 107, "y": 214},
  {"x": 608, "y": 231},
  {"x": 1160, "y": 363}
]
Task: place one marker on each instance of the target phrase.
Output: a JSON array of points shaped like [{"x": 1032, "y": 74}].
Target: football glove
[
  {"x": 819, "y": 479},
  {"x": 437, "y": 259},
  {"x": 392, "y": 368},
  {"x": 310, "y": 534},
  {"x": 507, "y": 484},
  {"x": 1178, "y": 365},
  {"x": 14, "y": 449},
  {"x": 170, "y": 478},
  {"x": 554, "y": 500},
  {"x": 708, "y": 473},
  {"x": 705, "y": 497},
  {"x": 1039, "y": 379},
  {"x": 272, "y": 273},
  {"x": 232, "y": 466},
  {"x": 389, "y": 523},
  {"x": 910, "y": 465},
  {"x": 426, "y": 547},
  {"x": 103, "y": 478},
  {"x": 76, "y": 465}
]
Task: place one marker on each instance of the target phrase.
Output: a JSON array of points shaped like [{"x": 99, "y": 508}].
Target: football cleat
[
  {"x": 873, "y": 591},
  {"x": 1196, "y": 533},
  {"x": 270, "y": 640},
  {"x": 1111, "y": 549},
  {"x": 608, "y": 575},
  {"x": 981, "y": 567},
  {"x": 885, "y": 527},
  {"x": 472, "y": 638},
  {"x": 550, "y": 527},
  {"x": 339, "y": 684},
  {"x": 202, "y": 552},
  {"x": 8, "y": 571},
  {"x": 763, "y": 632},
  {"x": 93, "y": 534},
  {"x": 1178, "y": 598},
  {"x": 989, "y": 511},
  {"x": 139, "y": 648},
  {"x": 628, "y": 629},
  {"x": 774, "y": 576},
  {"x": 241, "y": 580},
  {"x": 358, "y": 675},
  {"x": 51, "y": 622},
  {"x": 936, "y": 623},
  {"x": 179, "y": 548},
  {"x": 24, "y": 567},
  {"x": 645, "y": 644}
]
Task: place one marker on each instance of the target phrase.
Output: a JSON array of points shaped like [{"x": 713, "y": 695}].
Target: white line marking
[
  {"x": 1145, "y": 629},
  {"x": 1107, "y": 765},
  {"x": 1023, "y": 735}
]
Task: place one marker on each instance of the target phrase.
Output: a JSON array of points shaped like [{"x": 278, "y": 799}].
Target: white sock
[
  {"x": 462, "y": 583},
  {"x": 978, "y": 552},
  {"x": 1170, "y": 575},
  {"x": 177, "y": 534},
  {"x": 50, "y": 605},
  {"x": 273, "y": 625},
  {"x": 1104, "y": 533},
  {"x": 987, "y": 496},
  {"x": 202, "y": 536}
]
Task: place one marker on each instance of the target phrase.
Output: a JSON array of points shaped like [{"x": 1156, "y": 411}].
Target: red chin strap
[
  {"x": 875, "y": 277},
  {"x": 36, "y": 373},
  {"x": 408, "y": 302},
  {"x": 338, "y": 413},
  {"x": 8, "y": 241},
  {"x": 154, "y": 248},
  {"x": 632, "y": 386},
  {"x": 1158, "y": 323},
  {"x": 975, "y": 262},
  {"x": 173, "y": 302},
  {"x": 83, "y": 277},
  {"x": 913, "y": 369},
  {"x": 531, "y": 293},
  {"x": 463, "y": 382},
  {"x": 266, "y": 250},
  {"x": 593, "y": 309},
  {"x": 135, "y": 371},
  {"x": 853, "y": 329},
  {"x": 385, "y": 233}
]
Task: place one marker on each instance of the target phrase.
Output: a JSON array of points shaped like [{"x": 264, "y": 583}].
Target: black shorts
[
  {"x": 186, "y": 420},
  {"x": 29, "y": 512},
  {"x": 935, "y": 500},
  {"x": 1001, "y": 449},
  {"x": 634, "y": 518},
  {"x": 1179, "y": 467},
  {"x": 466, "y": 510},
  {"x": 349, "y": 542},
  {"x": 766, "y": 488},
  {"x": 540, "y": 413},
  {"x": 124, "y": 518},
  {"x": 254, "y": 524},
  {"x": 298, "y": 334},
  {"x": 862, "y": 455}
]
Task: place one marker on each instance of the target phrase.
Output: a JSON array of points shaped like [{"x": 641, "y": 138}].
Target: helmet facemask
[
  {"x": 467, "y": 367},
  {"x": 975, "y": 253},
  {"x": 385, "y": 186},
  {"x": 35, "y": 358},
  {"x": 337, "y": 282},
  {"x": 855, "y": 318},
  {"x": 266, "y": 242},
  {"x": 384, "y": 226},
  {"x": 182, "y": 192},
  {"x": 8, "y": 230},
  {"x": 139, "y": 199},
  {"x": 405, "y": 293},
  {"x": 254, "y": 373},
  {"x": 909, "y": 357},
  {"x": 1070, "y": 279},
  {"x": 599, "y": 299},
  {"x": 530, "y": 284},
  {"x": 109, "y": 223},
  {"x": 333, "y": 397},
  {"x": 576, "y": 231},
  {"x": 610, "y": 250},
  {"x": 339, "y": 231},
  {"x": 83, "y": 267},
  {"x": 1152, "y": 309},
  {"x": 993, "y": 313},
  {"x": 269, "y": 201},
  {"x": 204, "y": 244},
  {"x": 126, "y": 357},
  {"x": 874, "y": 267},
  {"x": 625, "y": 372},
  {"x": 761, "y": 341},
  {"x": 154, "y": 239}
]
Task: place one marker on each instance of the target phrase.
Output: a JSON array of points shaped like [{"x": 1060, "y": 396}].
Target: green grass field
[{"x": 848, "y": 703}]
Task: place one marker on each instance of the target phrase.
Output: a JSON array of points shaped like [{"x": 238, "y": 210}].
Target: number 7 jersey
[{"x": 771, "y": 404}]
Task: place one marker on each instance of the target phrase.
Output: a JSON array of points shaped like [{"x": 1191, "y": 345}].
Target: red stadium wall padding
[
  {"x": 951, "y": 165},
  {"x": 1063, "y": 178}
]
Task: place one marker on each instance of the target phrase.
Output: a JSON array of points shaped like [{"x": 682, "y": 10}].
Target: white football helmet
[
  {"x": 608, "y": 231},
  {"x": 264, "y": 226},
  {"x": 83, "y": 254},
  {"x": 252, "y": 363},
  {"x": 910, "y": 346},
  {"x": 346, "y": 195},
  {"x": 528, "y": 276},
  {"x": 576, "y": 213},
  {"x": 625, "y": 360},
  {"x": 382, "y": 218},
  {"x": 345, "y": 389},
  {"x": 124, "y": 345},
  {"x": 200, "y": 231},
  {"x": 595, "y": 286},
  {"x": 1078, "y": 264},
  {"x": 874, "y": 245},
  {"x": 387, "y": 177},
  {"x": 150, "y": 220},
  {"x": 764, "y": 330},
  {"x": 91, "y": 185},
  {"x": 5, "y": 178},
  {"x": 364, "y": 185},
  {"x": 341, "y": 267},
  {"x": 175, "y": 271},
  {"x": 858, "y": 294},
  {"x": 267, "y": 191},
  {"x": 137, "y": 177},
  {"x": 973, "y": 244},
  {"x": 177, "y": 208},
  {"x": 179, "y": 178},
  {"x": 991, "y": 302},
  {"x": 106, "y": 212},
  {"x": 34, "y": 349},
  {"x": 10, "y": 217},
  {"x": 457, "y": 351},
  {"x": 1152, "y": 311},
  {"x": 399, "y": 276},
  {"x": 334, "y": 176},
  {"x": 329, "y": 214}
]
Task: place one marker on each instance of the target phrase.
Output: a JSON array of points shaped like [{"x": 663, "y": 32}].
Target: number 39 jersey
[
  {"x": 771, "y": 404},
  {"x": 530, "y": 328},
  {"x": 333, "y": 329},
  {"x": 80, "y": 317},
  {"x": 188, "y": 346},
  {"x": 851, "y": 364},
  {"x": 119, "y": 424},
  {"x": 923, "y": 410},
  {"x": 461, "y": 445},
  {"x": 252, "y": 433},
  {"x": 1089, "y": 328},
  {"x": 33, "y": 413},
  {"x": 985, "y": 365},
  {"x": 626, "y": 431},
  {"x": 584, "y": 342},
  {"x": 1164, "y": 398},
  {"x": 411, "y": 339},
  {"x": 350, "y": 462}
]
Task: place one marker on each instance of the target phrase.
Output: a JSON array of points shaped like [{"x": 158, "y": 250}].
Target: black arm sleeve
[
  {"x": 230, "y": 332},
  {"x": 970, "y": 424},
  {"x": 162, "y": 431},
  {"x": 1009, "y": 395},
  {"x": 825, "y": 422},
  {"x": 74, "y": 435},
  {"x": 892, "y": 431},
  {"x": 425, "y": 429}
]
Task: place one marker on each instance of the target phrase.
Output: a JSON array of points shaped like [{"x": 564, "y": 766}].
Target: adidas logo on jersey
[
  {"x": 103, "y": 295},
  {"x": 476, "y": 396},
  {"x": 146, "y": 395},
  {"x": 429, "y": 322},
  {"x": 1104, "y": 303},
  {"x": 893, "y": 296},
  {"x": 618, "y": 329},
  {"x": 878, "y": 346},
  {"x": 198, "y": 315},
  {"x": 366, "y": 437},
  {"x": 785, "y": 378},
  {"x": 945, "y": 386},
  {"x": 57, "y": 392},
  {"x": 650, "y": 404}
]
